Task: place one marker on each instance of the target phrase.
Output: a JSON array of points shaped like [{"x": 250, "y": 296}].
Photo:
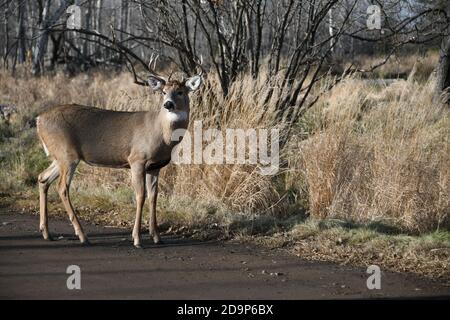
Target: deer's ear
[
  {"x": 194, "y": 83},
  {"x": 156, "y": 83}
]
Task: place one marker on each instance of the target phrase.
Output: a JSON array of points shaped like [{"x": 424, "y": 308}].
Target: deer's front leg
[
  {"x": 152, "y": 192},
  {"x": 138, "y": 182}
]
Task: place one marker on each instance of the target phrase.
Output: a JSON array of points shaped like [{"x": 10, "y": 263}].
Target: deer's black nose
[{"x": 169, "y": 105}]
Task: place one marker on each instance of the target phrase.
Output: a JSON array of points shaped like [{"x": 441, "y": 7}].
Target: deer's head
[{"x": 175, "y": 93}]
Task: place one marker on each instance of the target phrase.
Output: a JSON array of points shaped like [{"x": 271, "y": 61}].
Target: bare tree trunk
[
  {"x": 331, "y": 30},
  {"x": 47, "y": 22},
  {"x": 6, "y": 33},
  {"x": 128, "y": 24},
  {"x": 123, "y": 18},
  {"x": 56, "y": 42},
  {"x": 98, "y": 24},
  {"x": 41, "y": 45},
  {"x": 21, "y": 50},
  {"x": 98, "y": 15},
  {"x": 443, "y": 72},
  {"x": 35, "y": 15},
  {"x": 86, "y": 43}
]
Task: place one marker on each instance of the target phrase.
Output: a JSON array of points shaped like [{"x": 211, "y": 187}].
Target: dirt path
[{"x": 179, "y": 269}]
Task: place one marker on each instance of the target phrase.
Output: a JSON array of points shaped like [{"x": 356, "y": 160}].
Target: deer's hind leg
[
  {"x": 67, "y": 170},
  {"x": 45, "y": 179}
]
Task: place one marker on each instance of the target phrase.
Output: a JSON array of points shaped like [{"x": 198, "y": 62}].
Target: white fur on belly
[{"x": 175, "y": 116}]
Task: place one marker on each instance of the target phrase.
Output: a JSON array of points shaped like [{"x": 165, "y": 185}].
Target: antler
[
  {"x": 153, "y": 58},
  {"x": 200, "y": 65},
  {"x": 170, "y": 75}
]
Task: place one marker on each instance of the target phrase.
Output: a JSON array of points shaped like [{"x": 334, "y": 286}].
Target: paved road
[{"x": 179, "y": 269}]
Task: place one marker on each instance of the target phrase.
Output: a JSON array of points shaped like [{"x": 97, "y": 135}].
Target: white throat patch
[{"x": 175, "y": 116}]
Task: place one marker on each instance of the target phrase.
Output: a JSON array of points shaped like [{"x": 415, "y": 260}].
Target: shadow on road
[{"x": 99, "y": 239}]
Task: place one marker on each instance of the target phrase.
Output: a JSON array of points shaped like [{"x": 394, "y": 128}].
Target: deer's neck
[{"x": 169, "y": 122}]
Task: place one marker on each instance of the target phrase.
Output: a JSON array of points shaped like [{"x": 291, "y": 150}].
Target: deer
[{"x": 139, "y": 141}]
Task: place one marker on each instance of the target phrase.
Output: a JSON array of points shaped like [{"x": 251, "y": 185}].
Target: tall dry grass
[
  {"x": 379, "y": 154},
  {"x": 401, "y": 65}
]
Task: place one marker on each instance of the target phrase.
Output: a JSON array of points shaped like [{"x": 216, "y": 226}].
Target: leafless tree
[{"x": 21, "y": 47}]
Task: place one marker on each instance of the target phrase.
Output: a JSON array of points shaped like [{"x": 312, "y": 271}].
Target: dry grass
[
  {"x": 400, "y": 66},
  {"x": 380, "y": 154}
]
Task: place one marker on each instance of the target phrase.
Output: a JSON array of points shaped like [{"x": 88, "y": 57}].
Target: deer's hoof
[
  {"x": 138, "y": 246},
  {"x": 86, "y": 243},
  {"x": 46, "y": 236},
  {"x": 157, "y": 240}
]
